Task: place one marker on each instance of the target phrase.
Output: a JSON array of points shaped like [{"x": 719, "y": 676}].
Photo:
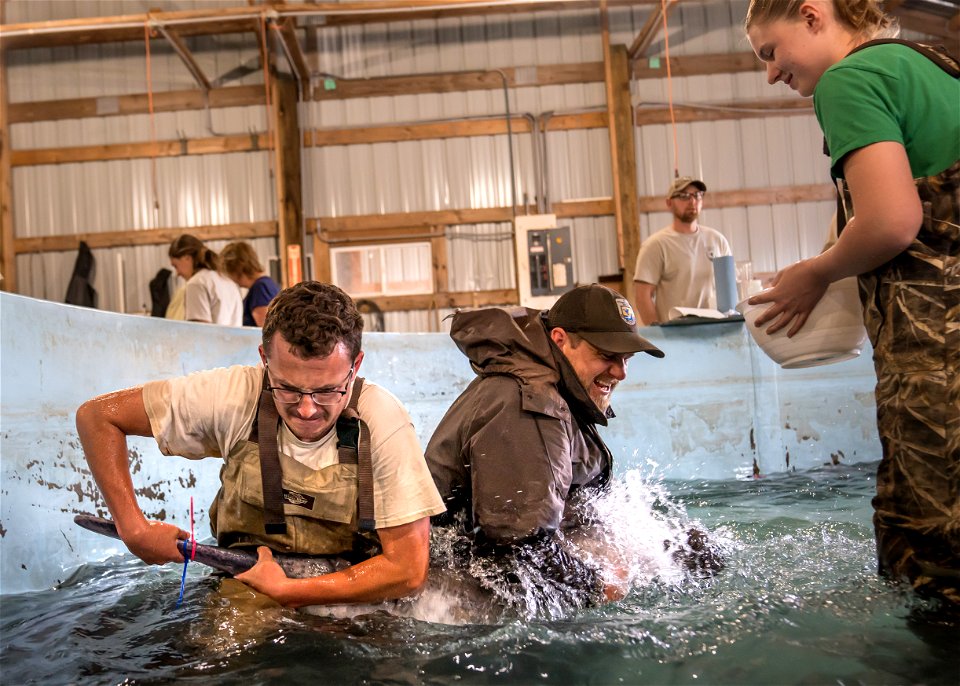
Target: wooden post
[
  {"x": 8, "y": 256},
  {"x": 321, "y": 259},
  {"x": 438, "y": 253},
  {"x": 287, "y": 175},
  {"x": 623, "y": 160}
]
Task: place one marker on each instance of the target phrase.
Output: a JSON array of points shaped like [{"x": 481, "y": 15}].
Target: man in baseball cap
[
  {"x": 681, "y": 184},
  {"x": 518, "y": 449},
  {"x": 674, "y": 267}
]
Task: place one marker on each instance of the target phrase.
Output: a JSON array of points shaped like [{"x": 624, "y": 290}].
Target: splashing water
[{"x": 636, "y": 534}]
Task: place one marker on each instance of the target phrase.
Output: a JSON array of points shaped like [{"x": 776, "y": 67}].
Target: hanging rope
[
  {"x": 264, "y": 58},
  {"x": 153, "y": 125},
  {"x": 673, "y": 118}
]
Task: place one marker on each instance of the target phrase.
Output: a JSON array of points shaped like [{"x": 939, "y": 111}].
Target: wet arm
[
  {"x": 103, "y": 425},
  {"x": 400, "y": 570}
]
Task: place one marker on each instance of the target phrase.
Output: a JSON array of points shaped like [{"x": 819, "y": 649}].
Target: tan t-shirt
[
  {"x": 206, "y": 414},
  {"x": 679, "y": 265}
]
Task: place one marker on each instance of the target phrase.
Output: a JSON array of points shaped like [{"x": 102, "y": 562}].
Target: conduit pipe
[
  {"x": 535, "y": 144},
  {"x": 544, "y": 121},
  {"x": 513, "y": 173}
]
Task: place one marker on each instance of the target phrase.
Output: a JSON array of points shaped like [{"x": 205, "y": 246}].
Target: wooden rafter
[
  {"x": 649, "y": 31},
  {"x": 186, "y": 56},
  {"x": 293, "y": 51},
  {"x": 743, "y": 109}
]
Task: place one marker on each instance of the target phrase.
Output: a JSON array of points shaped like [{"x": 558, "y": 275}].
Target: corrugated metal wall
[{"x": 399, "y": 177}]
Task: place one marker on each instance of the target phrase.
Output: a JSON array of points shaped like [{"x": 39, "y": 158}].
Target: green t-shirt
[{"x": 890, "y": 93}]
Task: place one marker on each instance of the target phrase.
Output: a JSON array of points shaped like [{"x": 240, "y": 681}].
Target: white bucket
[{"x": 834, "y": 332}]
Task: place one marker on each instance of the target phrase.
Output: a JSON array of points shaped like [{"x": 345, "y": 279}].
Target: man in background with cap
[
  {"x": 518, "y": 453},
  {"x": 673, "y": 265}
]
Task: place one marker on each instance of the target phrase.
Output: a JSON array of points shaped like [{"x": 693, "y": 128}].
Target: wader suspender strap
[
  {"x": 270, "y": 473},
  {"x": 938, "y": 55},
  {"x": 353, "y": 447}
]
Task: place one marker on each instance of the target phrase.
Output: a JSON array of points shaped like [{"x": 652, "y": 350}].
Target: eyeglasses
[
  {"x": 688, "y": 196},
  {"x": 293, "y": 396}
]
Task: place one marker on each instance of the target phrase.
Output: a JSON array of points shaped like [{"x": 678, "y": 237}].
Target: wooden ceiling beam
[
  {"x": 239, "y": 96},
  {"x": 129, "y": 27},
  {"x": 443, "y": 9},
  {"x": 744, "y": 109},
  {"x": 134, "y": 103},
  {"x": 698, "y": 65},
  {"x": 121, "y": 239},
  {"x": 126, "y": 28}
]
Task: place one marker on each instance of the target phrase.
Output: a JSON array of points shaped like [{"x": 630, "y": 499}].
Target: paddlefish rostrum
[{"x": 231, "y": 561}]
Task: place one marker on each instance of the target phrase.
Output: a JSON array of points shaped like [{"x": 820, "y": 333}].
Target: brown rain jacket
[{"x": 515, "y": 450}]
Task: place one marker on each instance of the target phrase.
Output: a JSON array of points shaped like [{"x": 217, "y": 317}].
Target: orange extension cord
[
  {"x": 153, "y": 125},
  {"x": 673, "y": 119}
]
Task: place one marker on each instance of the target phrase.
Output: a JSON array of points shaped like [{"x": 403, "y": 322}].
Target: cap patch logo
[{"x": 626, "y": 311}]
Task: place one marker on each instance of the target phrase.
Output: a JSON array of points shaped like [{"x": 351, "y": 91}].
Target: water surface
[{"x": 798, "y": 603}]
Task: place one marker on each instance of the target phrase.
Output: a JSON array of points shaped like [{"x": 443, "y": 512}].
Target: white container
[{"x": 834, "y": 331}]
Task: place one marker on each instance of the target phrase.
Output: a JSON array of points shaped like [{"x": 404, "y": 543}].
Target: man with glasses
[
  {"x": 673, "y": 265},
  {"x": 316, "y": 461},
  {"x": 518, "y": 454}
]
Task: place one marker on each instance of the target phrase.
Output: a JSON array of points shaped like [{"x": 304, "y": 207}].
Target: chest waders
[
  {"x": 911, "y": 308},
  {"x": 329, "y": 511}
]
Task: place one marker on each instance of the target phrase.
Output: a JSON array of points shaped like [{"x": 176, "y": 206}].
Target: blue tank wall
[{"x": 714, "y": 408}]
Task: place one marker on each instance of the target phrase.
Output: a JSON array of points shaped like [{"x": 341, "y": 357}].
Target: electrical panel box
[
  {"x": 550, "y": 260},
  {"x": 544, "y": 260}
]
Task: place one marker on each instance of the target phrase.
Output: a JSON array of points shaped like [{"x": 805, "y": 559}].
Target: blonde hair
[
  {"x": 240, "y": 259},
  {"x": 864, "y": 17}
]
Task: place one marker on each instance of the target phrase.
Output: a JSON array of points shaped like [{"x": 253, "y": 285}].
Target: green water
[{"x": 798, "y": 603}]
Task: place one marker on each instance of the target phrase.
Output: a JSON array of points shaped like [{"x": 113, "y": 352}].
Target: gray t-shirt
[{"x": 678, "y": 264}]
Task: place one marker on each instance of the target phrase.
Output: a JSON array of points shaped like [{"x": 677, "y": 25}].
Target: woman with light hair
[
  {"x": 890, "y": 114},
  {"x": 208, "y": 296},
  {"x": 241, "y": 264}
]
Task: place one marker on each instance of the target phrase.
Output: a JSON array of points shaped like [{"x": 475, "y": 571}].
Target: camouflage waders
[{"x": 911, "y": 310}]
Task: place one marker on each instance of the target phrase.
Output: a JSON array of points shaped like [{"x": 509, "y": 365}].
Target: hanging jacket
[
  {"x": 160, "y": 293},
  {"x": 80, "y": 290},
  {"x": 516, "y": 449}
]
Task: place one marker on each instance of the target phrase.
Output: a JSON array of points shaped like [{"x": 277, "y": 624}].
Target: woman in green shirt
[{"x": 890, "y": 115}]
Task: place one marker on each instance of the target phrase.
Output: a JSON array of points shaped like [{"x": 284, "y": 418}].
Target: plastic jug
[{"x": 725, "y": 279}]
